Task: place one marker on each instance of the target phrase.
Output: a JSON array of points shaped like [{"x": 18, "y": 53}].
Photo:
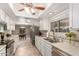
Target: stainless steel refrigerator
[{"x": 34, "y": 30}]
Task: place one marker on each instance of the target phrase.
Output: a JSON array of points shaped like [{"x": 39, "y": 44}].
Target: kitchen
[{"x": 39, "y": 29}]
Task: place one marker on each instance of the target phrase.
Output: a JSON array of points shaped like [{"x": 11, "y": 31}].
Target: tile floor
[{"x": 25, "y": 48}]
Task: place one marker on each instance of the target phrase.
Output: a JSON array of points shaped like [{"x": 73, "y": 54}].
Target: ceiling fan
[{"x": 30, "y": 7}]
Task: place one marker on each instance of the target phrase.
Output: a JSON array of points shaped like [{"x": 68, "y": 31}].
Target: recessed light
[
  {"x": 50, "y": 13},
  {"x": 28, "y": 21}
]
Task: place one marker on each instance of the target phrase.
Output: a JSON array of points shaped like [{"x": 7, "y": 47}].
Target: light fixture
[
  {"x": 32, "y": 11},
  {"x": 27, "y": 10}
]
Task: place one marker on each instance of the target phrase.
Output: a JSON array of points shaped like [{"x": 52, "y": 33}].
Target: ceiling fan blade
[
  {"x": 20, "y": 9},
  {"x": 39, "y": 8},
  {"x": 31, "y": 11}
]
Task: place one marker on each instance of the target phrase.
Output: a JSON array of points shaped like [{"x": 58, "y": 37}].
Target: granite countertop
[
  {"x": 65, "y": 47},
  {"x": 2, "y": 46}
]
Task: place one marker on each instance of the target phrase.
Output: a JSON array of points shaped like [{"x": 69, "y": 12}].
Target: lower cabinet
[
  {"x": 3, "y": 52},
  {"x": 37, "y": 43},
  {"x": 43, "y": 47},
  {"x": 47, "y": 49}
]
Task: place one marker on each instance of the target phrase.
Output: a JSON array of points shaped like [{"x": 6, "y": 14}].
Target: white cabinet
[
  {"x": 42, "y": 50},
  {"x": 3, "y": 51},
  {"x": 2, "y": 15},
  {"x": 43, "y": 46},
  {"x": 38, "y": 43},
  {"x": 74, "y": 16},
  {"x": 48, "y": 49},
  {"x": 44, "y": 24},
  {"x": 10, "y": 23}
]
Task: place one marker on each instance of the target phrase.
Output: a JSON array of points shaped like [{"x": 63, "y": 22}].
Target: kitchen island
[{"x": 55, "y": 49}]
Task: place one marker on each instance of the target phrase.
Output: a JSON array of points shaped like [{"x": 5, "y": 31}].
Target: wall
[
  {"x": 25, "y": 21},
  {"x": 45, "y": 24},
  {"x": 61, "y": 15},
  {"x": 16, "y": 31}
]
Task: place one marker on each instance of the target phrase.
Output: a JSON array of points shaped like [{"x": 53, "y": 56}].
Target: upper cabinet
[
  {"x": 44, "y": 24},
  {"x": 2, "y": 16},
  {"x": 5, "y": 18},
  {"x": 3, "y": 24},
  {"x": 74, "y": 16},
  {"x": 10, "y": 23},
  {"x": 3, "y": 27}
]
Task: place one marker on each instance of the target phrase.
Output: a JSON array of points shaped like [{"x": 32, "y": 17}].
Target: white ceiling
[
  {"x": 53, "y": 8},
  {"x": 15, "y": 7}
]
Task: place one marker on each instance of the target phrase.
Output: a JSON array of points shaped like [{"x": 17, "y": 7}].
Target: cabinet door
[
  {"x": 3, "y": 52},
  {"x": 48, "y": 49},
  {"x": 44, "y": 24},
  {"x": 42, "y": 48},
  {"x": 2, "y": 15},
  {"x": 74, "y": 16},
  {"x": 37, "y": 43},
  {"x": 8, "y": 22}
]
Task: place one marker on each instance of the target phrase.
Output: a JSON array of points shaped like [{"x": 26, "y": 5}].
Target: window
[{"x": 61, "y": 25}]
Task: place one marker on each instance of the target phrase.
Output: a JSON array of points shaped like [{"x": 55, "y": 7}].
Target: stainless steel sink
[{"x": 50, "y": 40}]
